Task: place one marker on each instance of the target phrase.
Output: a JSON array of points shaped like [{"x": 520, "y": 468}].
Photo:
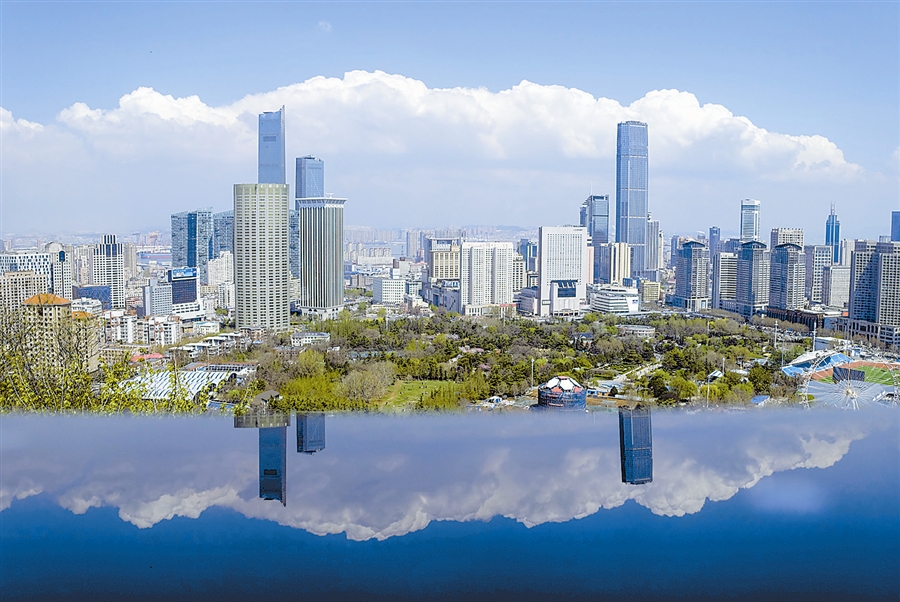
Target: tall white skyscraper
[
  {"x": 724, "y": 280},
  {"x": 749, "y": 220},
  {"x": 109, "y": 269},
  {"x": 563, "y": 269},
  {"x": 817, "y": 258},
  {"x": 60, "y": 270},
  {"x": 261, "y": 262},
  {"x": 486, "y": 276},
  {"x": 321, "y": 255}
]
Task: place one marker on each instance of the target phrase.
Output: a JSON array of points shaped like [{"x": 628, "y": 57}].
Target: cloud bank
[
  {"x": 384, "y": 478},
  {"x": 409, "y": 155}
]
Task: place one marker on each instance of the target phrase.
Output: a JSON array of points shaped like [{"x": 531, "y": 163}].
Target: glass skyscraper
[
  {"x": 749, "y": 220},
  {"x": 310, "y": 432},
  {"x": 273, "y": 463},
  {"x": 192, "y": 241},
  {"x": 833, "y": 235},
  {"x": 223, "y": 233},
  {"x": 636, "y": 445},
  {"x": 595, "y": 217},
  {"x": 895, "y": 226},
  {"x": 632, "y": 205},
  {"x": 310, "y": 178},
  {"x": 271, "y": 148}
]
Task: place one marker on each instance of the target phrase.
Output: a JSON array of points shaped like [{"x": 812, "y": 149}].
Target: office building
[
  {"x": 692, "y": 277},
  {"x": 17, "y": 286},
  {"x": 724, "y": 280},
  {"x": 715, "y": 237},
  {"x": 310, "y": 182},
  {"x": 528, "y": 250},
  {"x": 615, "y": 263},
  {"x": 192, "y": 241},
  {"x": 442, "y": 258},
  {"x": 636, "y": 445},
  {"x": 157, "y": 298},
  {"x": 787, "y": 278},
  {"x": 654, "y": 251},
  {"x": 37, "y": 263},
  {"x": 836, "y": 285},
  {"x": 109, "y": 269},
  {"x": 595, "y": 217},
  {"x": 563, "y": 269},
  {"x": 261, "y": 262},
  {"x": 752, "y": 284},
  {"x": 632, "y": 205},
  {"x": 221, "y": 269},
  {"x": 833, "y": 235},
  {"x": 817, "y": 258},
  {"x": 184, "y": 289},
  {"x": 875, "y": 291},
  {"x": 784, "y": 236},
  {"x": 485, "y": 277},
  {"x": 310, "y": 432},
  {"x": 650, "y": 291},
  {"x": 271, "y": 148},
  {"x": 223, "y": 233},
  {"x": 388, "y": 291},
  {"x": 519, "y": 273},
  {"x": 749, "y": 220},
  {"x": 321, "y": 254},
  {"x": 895, "y": 226},
  {"x": 61, "y": 270},
  {"x": 273, "y": 464},
  {"x": 615, "y": 299},
  {"x": 294, "y": 243}
]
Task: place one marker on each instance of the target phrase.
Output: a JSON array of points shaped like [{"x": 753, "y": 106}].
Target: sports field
[{"x": 874, "y": 374}]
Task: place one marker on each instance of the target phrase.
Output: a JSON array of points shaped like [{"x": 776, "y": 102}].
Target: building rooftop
[{"x": 46, "y": 299}]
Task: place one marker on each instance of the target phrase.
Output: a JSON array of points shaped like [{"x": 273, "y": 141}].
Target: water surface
[{"x": 745, "y": 505}]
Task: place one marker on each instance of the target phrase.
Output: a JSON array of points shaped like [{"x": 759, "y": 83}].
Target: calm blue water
[{"x": 785, "y": 505}]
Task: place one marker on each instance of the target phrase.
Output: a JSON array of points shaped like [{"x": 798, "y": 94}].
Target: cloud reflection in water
[{"x": 381, "y": 477}]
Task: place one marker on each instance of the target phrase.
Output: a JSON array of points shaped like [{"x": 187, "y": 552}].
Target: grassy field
[
  {"x": 406, "y": 393},
  {"x": 873, "y": 375}
]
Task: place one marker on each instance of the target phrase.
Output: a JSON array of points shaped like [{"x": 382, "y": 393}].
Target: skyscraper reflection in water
[
  {"x": 636, "y": 444},
  {"x": 272, "y": 451},
  {"x": 310, "y": 432},
  {"x": 272, "y": 463}
]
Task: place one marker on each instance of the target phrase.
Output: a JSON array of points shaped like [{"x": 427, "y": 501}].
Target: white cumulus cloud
[{"x": 408, "y": 154}]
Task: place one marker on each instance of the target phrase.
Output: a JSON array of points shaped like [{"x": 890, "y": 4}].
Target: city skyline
[{"x": 498, "y": 143}]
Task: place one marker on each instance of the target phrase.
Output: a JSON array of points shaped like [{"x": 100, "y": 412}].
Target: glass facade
[
  {"x": 294, "y": 242},
  {"x": 223, "y": 233},
  {"x": 193, "y": 241},
  {"x": 632, "y": 204},
  {"x": 272, "y": 463},
  {"x": 310, "y": 178},
  {"x": 271, "y": 148},
  {"x": 310, "y": 432},
  {"x": 184, "y": 285},
  {"x": 833, "y": 235},
  {"x": 595, "y": 217},
  {"x": 895, "y": 226},
  {"x": 636, "y": 445}
]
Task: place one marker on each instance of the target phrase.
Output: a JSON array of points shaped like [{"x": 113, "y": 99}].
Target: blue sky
[{"x": 797, "y": 69}]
